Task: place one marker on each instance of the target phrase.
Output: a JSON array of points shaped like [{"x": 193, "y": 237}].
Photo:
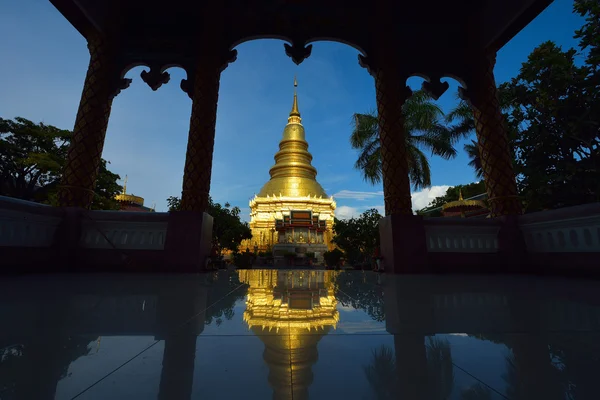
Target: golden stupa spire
[
  {"x": 125, "y": 185},
  {"x": 294, "y": 117},
  {"x": 293, "y": 175},
  {"x": 460, "y": 198}
]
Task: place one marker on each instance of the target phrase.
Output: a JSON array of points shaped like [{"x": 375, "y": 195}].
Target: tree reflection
[
  {"x": 440, "y": 370},
  {"x": 39, "y": 360},
  {"x": 225, "y": 290},
  {"x": 383, "y": 375},
  {"x": 361, "y": 291},
  {"x": 476, "y": 392}
]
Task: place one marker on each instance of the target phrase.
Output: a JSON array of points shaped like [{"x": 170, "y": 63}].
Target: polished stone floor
[{"x": 260, "y": 334}]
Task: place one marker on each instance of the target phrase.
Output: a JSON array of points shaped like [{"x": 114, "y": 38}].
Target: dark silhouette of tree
[{"x": 32, "y": 157}]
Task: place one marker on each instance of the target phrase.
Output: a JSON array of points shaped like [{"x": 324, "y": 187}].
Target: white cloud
[
  {"x": 420, "y": 200},
  {"x": 346, "y": 212},
  {"x": 424, "y": 197},
  {"x": 351, "y": 194}
]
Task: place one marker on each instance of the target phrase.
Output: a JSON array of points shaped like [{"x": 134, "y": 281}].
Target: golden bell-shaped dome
[{"x": 293, "y": 174}]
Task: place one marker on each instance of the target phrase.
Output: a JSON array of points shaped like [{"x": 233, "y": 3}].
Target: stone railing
[
  {"x": 124, "y": 230},
  {"x": 27, "y": 224},
  {"x": 566, "y": 230},
  {"x": 461, "y": 235}
]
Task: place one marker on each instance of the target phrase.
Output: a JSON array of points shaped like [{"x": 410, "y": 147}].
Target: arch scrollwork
[
  {"x": 297, "y": 52},
  {"x": 435, "y": 87},
  {"x": 156, "y": 77},
  {"x": 220, "y": 62}
]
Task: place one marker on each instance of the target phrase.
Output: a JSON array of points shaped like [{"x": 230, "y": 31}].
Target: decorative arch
[{"x": 298, "y": 48}]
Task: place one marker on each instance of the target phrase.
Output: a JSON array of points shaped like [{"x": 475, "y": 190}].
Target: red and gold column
[
  {"x": 204, "y": 91},
  {"x": 391, "y": 93},
  {"x": 494, "y": 149},
  {"x": 102, "y": 84}
]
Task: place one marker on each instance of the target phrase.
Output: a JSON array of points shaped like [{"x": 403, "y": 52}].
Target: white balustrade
[
  {"x": 26, "y": 224},
  {"x": 562, "y": 231},
  {"x": 125, "y": 234},
  {"x": 461, "y": 236}
]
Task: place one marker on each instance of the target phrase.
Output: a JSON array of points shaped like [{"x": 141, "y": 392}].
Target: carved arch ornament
[
  {"x": 157, "y": 74},
  {"x": 432, "y": 75}
]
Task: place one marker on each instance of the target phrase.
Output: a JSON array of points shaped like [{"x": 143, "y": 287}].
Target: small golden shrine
[
  {"x": 290, "y": 311},
  {"x": 292, "y": 208},
  {"x": 461, "y": 207},
  {"x": 130, "y": 202}
]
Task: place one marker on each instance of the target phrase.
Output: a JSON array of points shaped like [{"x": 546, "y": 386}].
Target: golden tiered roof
[
  {"x": 129, "y": 198},
  {"x": 293, "y": 174},
  {"x": 462, "y": 205}
]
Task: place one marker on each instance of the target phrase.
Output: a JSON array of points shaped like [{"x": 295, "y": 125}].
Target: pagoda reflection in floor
[{"x": 298, "y": 334}]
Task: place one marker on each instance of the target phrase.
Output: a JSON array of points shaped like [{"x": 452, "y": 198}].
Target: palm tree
[
  {"x": 472, "y": 150},
  {"x": 425, "y": 130},
  {"x": 464, "y": 125},
  {"x": 381, "y": 373},
  {"x": 440, "y": 368}
]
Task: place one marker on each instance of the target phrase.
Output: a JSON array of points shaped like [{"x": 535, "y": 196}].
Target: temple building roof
[
  {"x": 293, "y": 174},
  {"x": 131, "y": 202}
]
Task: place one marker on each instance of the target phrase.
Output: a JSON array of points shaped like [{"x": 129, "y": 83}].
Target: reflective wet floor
[{"x": 261, "y": 334}]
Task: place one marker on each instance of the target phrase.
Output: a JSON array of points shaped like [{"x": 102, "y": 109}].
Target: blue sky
[{"x": 45, "y": 61}]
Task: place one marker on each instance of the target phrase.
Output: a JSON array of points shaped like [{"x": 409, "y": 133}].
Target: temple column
[
  {"x": 494, "y": 149},
  {"x": 496, "y": 158},
  {"x": 102, "y": 83},
  {"x": 403, "y": 246},
  {"x": 76, "y": 191},
  {"x": 391, "y": 93},
  {"x": 204, "y": 92},
  {"x": 189, "y": 232}
]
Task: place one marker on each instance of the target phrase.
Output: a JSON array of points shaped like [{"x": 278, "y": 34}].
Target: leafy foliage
[
  {"x": 228, "y": 229},
  {"x": 333, "y": 258},
  {"x": 552, "y": 112},
  {"x": 32, "y": 157},
  {"x": 452, "y": 194},
  {"x": 425, "y": 130},
  {"x": 223, "y": 296},
  {"x": 557, "y": 147},
  {"x": 358, "y": 237},
  {"x": 361, "y": 291}
]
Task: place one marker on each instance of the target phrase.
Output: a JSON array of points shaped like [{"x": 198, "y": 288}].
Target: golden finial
[
  {"x": 460, "y": 198},
  {"x": 295, "y": 113},
  {"x": 125, "y": 185}
]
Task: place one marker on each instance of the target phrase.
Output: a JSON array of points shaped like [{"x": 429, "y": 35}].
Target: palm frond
[
  {"x": 365, "y": 129},
  {"x": 472, "y": 150},
  {"x": 419, "y": 171},
  {"x": 437, "y": 144}
]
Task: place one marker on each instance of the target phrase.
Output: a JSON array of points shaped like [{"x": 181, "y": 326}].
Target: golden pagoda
[
  {"x": 292, "y": 211},
  {"x": 290, "y": 311}
]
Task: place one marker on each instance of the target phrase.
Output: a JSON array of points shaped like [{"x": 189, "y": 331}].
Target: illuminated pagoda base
[{"x": 292, "y": 213}]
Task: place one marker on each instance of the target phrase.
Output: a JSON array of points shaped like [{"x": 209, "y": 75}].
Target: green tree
[
  {"x": 557, "y": 147},
  {"x": 358, "y": 237},
  {"x": 425, "y": 130},
  {"x": 32, "y": 157},
  {"x": 228, "y": 229}
]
